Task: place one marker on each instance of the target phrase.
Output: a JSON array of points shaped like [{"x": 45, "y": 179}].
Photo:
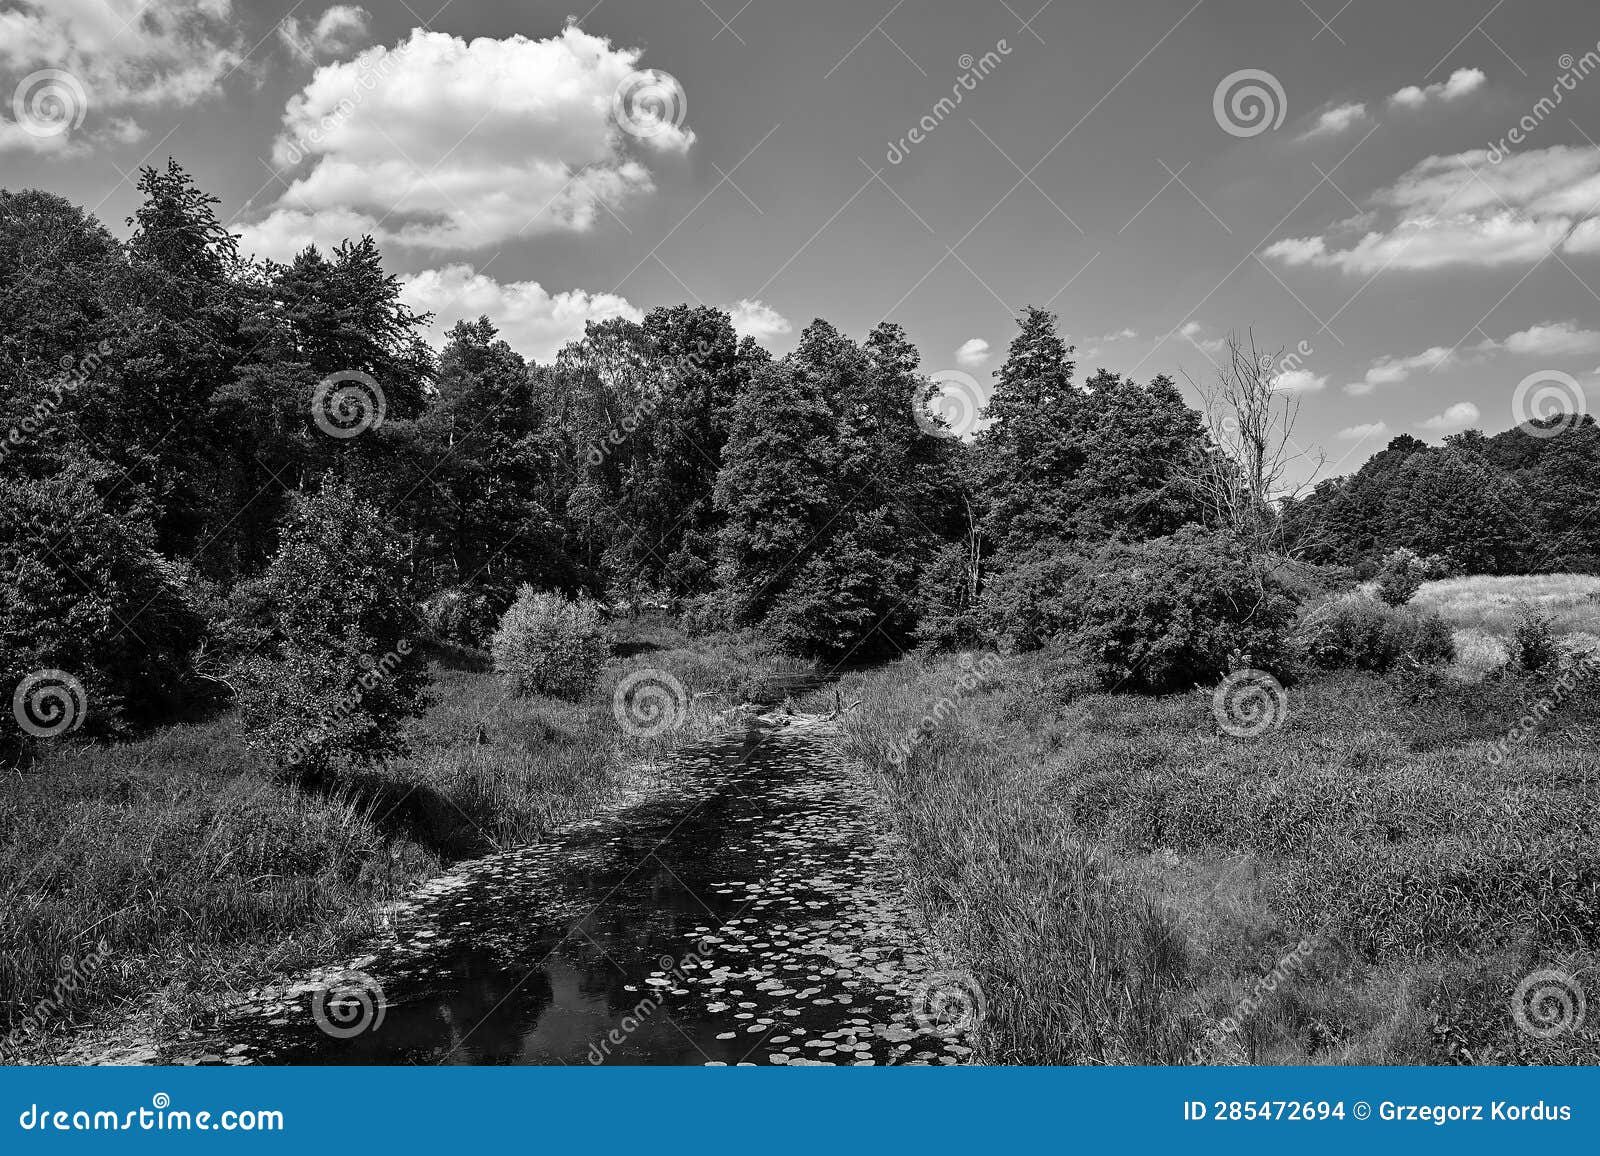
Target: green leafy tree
[
  {"x": 83, "y": 590},
  {"x": 339, "y": 670}
]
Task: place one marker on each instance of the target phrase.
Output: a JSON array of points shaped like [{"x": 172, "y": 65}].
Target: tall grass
[
  {"x": 202, "y": 871},
  {"x": 1123, "y": 879},
  {"x": 1490, "y": 603}
]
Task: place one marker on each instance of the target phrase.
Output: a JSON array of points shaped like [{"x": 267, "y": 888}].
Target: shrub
[
  {"x": 1024, "y": 601},
  {"x": 1165, "y": 614},
  {"x": 1400, "y": 576},
  {"x": 551, "y": 645},
  {"x": 1361, "y": 633},
  {"x": 83, "y": 590},
  {"x": 1532, "y": 645},
  {"x": 339, "y": 669},
  {"x": 459, "y": 614}
]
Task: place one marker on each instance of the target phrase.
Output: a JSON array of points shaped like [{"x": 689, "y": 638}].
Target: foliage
[
  {"x": 1355, "y": 632},
  {"x": 340, "y": 668},
  {"x": 1532, "y": 644},
  {"x": 1165, "y": 614},
  {"x": 1474, "y": 505},
  {"x": 83, "y": 590},
  {"x": 459, "y": 614},
  {"x": 551, "y": 645},
  {"x": 1400, "y": 576}
]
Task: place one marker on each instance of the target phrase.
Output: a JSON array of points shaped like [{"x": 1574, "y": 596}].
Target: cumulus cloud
[
  {"x": 1462, "y": 81},
  {"x": 973, "y": 353},
  {"x": 758, "y": 319},
  {"x": 1335, "y": 120},
  {"x": 115, "y": 55},
  {"x": 1553, "y": 339},
  {"x": 532, "y": 320},
  {"x": 1356, "y": 433},
  {"x": 1299, "y": 381},
  {"x": 1465, "y": 210},
  {"x": 336, "y": 32},
  {"x": 446, "y": 144},
  {"x": 1389, "y": 370},
  {"x": 1195, "y": 332},
  {"x": 1458, "y": 416}
]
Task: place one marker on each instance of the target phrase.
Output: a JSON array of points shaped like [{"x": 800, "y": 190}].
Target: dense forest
[{"x": 209, "y": 458}]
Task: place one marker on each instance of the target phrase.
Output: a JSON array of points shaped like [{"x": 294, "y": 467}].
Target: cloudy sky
[{"x": 1402, "y": 197}]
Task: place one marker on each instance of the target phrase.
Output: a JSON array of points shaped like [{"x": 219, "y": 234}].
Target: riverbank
[
  {"x": 152, "y": 882},
  {"x": 1370, "y": 883}
]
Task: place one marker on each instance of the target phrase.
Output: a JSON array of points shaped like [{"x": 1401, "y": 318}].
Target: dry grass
[
  {"x": 1490, "y": 603},
  {"x": 202, "y": 872},
  {"x": 1121, "y": 878}
]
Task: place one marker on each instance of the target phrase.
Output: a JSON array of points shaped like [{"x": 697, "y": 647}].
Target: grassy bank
[
  {"x": 167, "y": 874},
  {"x": 1367, "y": 884}
]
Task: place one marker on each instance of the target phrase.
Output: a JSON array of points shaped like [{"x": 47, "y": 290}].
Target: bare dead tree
[{"x": 1245, "y": 477}]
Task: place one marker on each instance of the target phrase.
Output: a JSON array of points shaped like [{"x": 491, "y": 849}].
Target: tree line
[{"x": 207, "y": 457}]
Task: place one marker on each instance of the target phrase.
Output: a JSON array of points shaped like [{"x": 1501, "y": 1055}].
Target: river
[{"x": 745, "y": 914}]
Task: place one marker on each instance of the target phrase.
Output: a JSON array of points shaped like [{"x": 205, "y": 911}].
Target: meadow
[
  {"x": 167, "y": 874},
  {"x": 1368, "y": 883},
  {"x": 1482, "y": 609}
]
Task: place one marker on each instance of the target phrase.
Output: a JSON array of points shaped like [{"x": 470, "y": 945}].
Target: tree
[
  {"x": 1031, "y": 450},
  {"x": 340, "y": 669},
  {"x": 83, "y": 590},
  {"x": 776, "y": 491},
  {"x": 1246, "y": 475}
]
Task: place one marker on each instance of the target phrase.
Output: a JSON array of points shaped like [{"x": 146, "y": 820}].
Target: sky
[{"x": 1400, "y": 197}]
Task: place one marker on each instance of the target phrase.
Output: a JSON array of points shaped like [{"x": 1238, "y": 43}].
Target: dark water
[{"x": 744, "y": 916}]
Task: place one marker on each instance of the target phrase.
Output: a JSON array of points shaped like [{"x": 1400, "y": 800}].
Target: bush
[
  {"x": 550, "y": 645},
  {"x": 83, "y": 591},
  {"x": 1024, "y": 601},
  {"x": 1400, "y": 576},
  {"x": 1361, "y": 633},
  {"x": 339, "y": 669},
  {"x": 1532, "y": 644},
  {"x": 459, "y": 614},
  {"x": 1165, "y": 614}
]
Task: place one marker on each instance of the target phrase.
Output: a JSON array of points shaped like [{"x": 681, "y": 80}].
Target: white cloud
[
  {"x": 1466, "y": 210},
  {"x": 116, "y": 54},
  {"x": 446, "y": 144},
  {"x": 1335, "y": 120},
  {"x": 1390, "y": 370},
  {"x": 1553, "y": 339},
  {"x": 1120, "y": 335},
  {"x": 973, "y": 353},
  {"x": 1194, "y": 332},
  {"x": 1299, "y": 381},
  {"x": 758, "y": 319},
  {"x": 533, "y": 321},
  {"x": 1462, "y": 81},
  {"x": 1356, "y": 433},
  {"x": 1458, "y": 416},
  {"x": 337, "y": 31}
]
